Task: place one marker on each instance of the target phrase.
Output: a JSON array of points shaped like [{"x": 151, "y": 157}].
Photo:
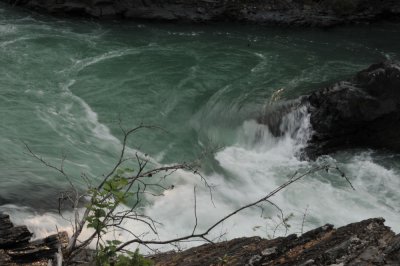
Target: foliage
[
  {"x": 108, "y": 256},
  {"x": 105, "y": 200},
  {"x": 224, "y": 260}
]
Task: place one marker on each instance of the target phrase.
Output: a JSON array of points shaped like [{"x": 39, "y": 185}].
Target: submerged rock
[
  {"x": 321, "y": 13},
  {"x": 369, "y": 242}
]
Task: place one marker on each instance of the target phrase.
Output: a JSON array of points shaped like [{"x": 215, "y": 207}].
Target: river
[{"x": 65, "y": 85}]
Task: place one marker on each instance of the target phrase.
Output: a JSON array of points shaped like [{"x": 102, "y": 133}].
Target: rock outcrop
[
  {"x": 16, "y": 248},
  {"x": 363, "y": 112},
  {"x": 369, "y": 242},
  {"x": 322, "y": 13}
]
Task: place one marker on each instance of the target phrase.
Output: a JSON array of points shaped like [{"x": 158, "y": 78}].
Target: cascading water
[{"x": 64, "y": 83}]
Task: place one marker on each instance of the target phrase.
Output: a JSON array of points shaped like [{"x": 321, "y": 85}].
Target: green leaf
[
  {"x": 107, "y": 187},
  {"x": 100, "y": 213},
  {"x": 123, "y": 182},
  {"x": 120, "y": 172}
]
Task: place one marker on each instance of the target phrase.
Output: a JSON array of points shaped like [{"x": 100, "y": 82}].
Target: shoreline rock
[
  {"x": 368, "y": 242},
  {"x": 17, "y": 249},
  {"x": 363, "y": 112},
  {"x": 315, "y": 13}
]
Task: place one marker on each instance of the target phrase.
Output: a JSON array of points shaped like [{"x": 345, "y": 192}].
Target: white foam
[
  {"x": 254, "y": 166},
  {"x": 257, "y": 167},
  {"x": 6, "y": 29},
  {"x": 83, "y": 63},
  {"x": 41, "y": 224},
  {"x": 7, "y": 43},
  {"x": 189, "y": 34}
]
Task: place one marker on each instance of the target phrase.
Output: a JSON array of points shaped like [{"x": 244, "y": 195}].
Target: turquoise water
[{"x": 66, "y": 83}]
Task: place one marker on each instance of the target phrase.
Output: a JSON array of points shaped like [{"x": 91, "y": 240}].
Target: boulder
[{"x": 362, "y": 112}]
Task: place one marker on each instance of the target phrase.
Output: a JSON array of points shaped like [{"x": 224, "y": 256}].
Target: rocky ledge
[
  {"x": 361, "y": 112},
  {"x": 323, "y": 13},
  {"x": 369, "y": 242},
  {"x": 17, "y": 249}
]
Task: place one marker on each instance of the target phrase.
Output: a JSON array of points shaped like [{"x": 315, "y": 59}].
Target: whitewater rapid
[
  {"x": 64, "y": 84},
  {"x": 255, "y": 165}
]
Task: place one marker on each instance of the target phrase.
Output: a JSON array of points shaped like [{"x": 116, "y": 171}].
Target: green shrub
[
  {"x": 134, "y": 259},
  {"x": 108, "y": 257}
]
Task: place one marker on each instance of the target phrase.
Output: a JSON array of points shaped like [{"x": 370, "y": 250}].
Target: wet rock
[
  {"x": 363, "y": 112},
  {"x": 11, "y": 236},
  {"x": 321, "y": 13},
  {"x": 368, "y": 242},
  {"x": 16, "y": 248}
]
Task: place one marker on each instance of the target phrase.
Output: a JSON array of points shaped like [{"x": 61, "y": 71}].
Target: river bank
[
  {"x": 314, "y": 13},
  {"x": 368, "y": 242}
]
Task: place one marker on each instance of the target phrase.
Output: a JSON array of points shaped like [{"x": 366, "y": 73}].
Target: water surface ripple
[{"x": 64, "y": 84}]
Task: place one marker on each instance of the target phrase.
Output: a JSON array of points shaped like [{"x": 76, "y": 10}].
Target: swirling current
[{"x": 66, "y": 85}]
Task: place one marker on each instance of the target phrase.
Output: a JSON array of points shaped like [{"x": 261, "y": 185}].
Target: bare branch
[
  {"x": 136, "y": 184},
  {"x": 304, "y": 220},
  {"x": 203, "y": 235},
  {"x": 195, "y": 210}
]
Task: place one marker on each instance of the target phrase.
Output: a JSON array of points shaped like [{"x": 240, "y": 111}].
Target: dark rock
[
  {"x": 274, "y": 115},
  {"x": 363, "y": 112},
  {"x": 40, "y": 249},
  {"x": 369, "y": 242},
  {"x": 15, "y": 248},
  {"x": 322, "y": 13},
  {"x": 10, "y": 236},
  {"x": 4, "y": 258},
  {"x": 392, "y": 252}
]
